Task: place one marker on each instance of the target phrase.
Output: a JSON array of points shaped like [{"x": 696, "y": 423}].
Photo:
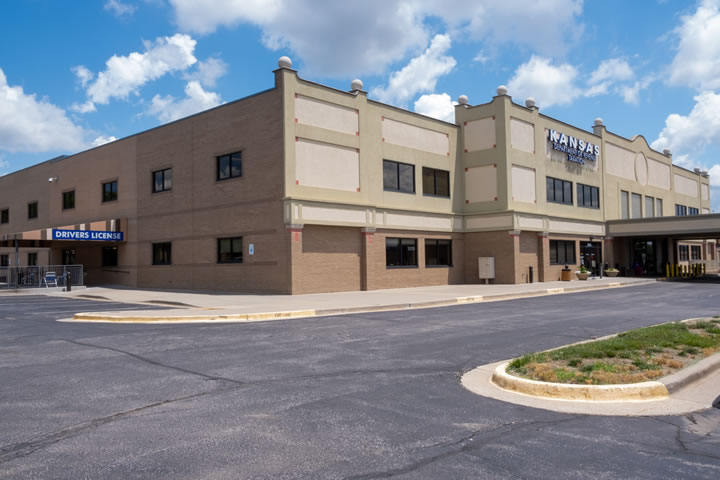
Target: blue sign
[{"x": 89, "y": 235}]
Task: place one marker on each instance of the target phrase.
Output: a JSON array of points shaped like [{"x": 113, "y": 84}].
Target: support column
[
  {"x": 608, "y": 252},
  {"x": 515, "y": 273},
  {"x": 543, "y": 256},
  {"x": 368, "y": 236},
  {"x": 295, "y": 231}
]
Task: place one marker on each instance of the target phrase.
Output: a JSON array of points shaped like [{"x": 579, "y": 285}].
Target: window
[
  {"x": 230, "y": 250},
  {"x": 680, "y": 210},
  {"x": 649, "y": 206},
  {"x": 624, "y": 205},
  {"x": 162, "y": 180},
  {"x": 109, "y": 191},
  {"x": 229, "y": 166},
  {"x": 588, "y": 196},
  {"x": 438, "y": 253},
  {"x": 693, "y": 211},
  {"x": 398, "y": 177},
  {"x": 110, "y": 256},
  {"x": 5, "y": 216},
  {"x": 162, "y": 253},
  {"x": 436, "y": 182},
  {"x": 636, "y": 205},
  {"x": 562, "y": 252},
  {"x": 32, "y": 210},
  {"x": 558, "y": 191},
  {"x": 68, "y": 200},
  {"x": 695, "y": 253},
  {"x": 683, "y": 252},
  {"x": 32, "y": 259},
  {"x": 658, "y": 207},
  {"x": 4, "y": 260},
  {"x": 401, "y": 252}
]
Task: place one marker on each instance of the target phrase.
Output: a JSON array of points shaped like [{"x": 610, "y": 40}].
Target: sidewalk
[{"x": 225, "y": 307}]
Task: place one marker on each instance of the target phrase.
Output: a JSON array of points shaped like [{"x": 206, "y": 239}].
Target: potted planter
[
  {"x": 612, "y": 272},
  {"x": 583, "y": 273}
]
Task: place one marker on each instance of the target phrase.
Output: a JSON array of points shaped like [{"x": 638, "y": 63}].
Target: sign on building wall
[
  {"x": 577, "y": 150},
  {"x": 87, "y": 235}
]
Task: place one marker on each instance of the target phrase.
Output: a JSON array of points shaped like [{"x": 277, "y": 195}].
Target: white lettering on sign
[
  {"x": 96, "y": 236},
  {"x": 577, "y": 150}
]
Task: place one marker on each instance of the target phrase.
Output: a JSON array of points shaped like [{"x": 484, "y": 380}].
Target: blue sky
[{"x": 77, "y": 74}]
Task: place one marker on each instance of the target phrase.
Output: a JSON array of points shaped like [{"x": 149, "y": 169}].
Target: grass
[{"x": 634, "y": 356}]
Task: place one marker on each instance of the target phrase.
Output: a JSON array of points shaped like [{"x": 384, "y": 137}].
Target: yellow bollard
[
  {"x": 667, "y": 270},
  {"x": 704, "y": 272}
]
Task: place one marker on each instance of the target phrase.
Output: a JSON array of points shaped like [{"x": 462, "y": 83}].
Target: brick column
[
  {"x": 515, "y": 273},
  {"x": 608, "y": 252},
  {"x": 295, "y": 231},
  {"x": 368, "y": 236},
  {"x": 543, "y": 256}
]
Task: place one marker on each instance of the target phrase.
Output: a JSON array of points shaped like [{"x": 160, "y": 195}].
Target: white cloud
[
  {"x": 715, "y": 175},
  {"x": 339, "y": 39},
  {"x": 208, "y": 71},
  {"x": 693, "y": 132},
  {"x": 437, "y": 105},
  {"x": 167, "y": 108},
  {"x": 29, "y": 124},
  {"x": 612, "y": 69},
  {"x": 548, "y": 84},
  {"x": 102, "y": 140},
  {"x": 83, "y": 74},
  {"x": 697, "y": 62},
  {"x": 125, "y": 75},
  {"x": 118, "y": 8},
  {"x": 419, "y": 75},
  {"x": 481, "y": 57}
]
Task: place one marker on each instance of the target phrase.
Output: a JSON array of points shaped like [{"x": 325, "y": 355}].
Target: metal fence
[{"x": 35, "y": 277}]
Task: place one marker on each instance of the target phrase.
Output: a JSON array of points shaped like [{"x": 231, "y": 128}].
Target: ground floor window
[
  {"x": 695, "y": 252},
  {"x": 438, "y": 252},
  {"x": 684, "y": 253},
  {"x": 562, "y": 252},
  {"x": 230, "y": 250},
  {"x": 110, "y": 256},
  {"x": 32, "y": 259},
  {"x": 401, "y": 252},
  {"x": 4, "y": 260},
  {"x": 162, "y": 253}
]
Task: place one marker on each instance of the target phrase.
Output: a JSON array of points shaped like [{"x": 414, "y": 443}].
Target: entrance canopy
[
  {"x": 85, "y": 233},
  {"x": 688, "y": 227}
]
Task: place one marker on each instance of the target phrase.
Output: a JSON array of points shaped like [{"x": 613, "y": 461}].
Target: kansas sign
[
  {"x": 89, "y": 235},
  {"x": 577, "y": 150}
]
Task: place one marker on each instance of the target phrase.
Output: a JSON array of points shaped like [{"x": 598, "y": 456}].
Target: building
[{"x": 304, "y": 188}]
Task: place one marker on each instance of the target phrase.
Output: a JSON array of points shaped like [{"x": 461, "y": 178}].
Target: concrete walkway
[{"x": 225, "y": 307}]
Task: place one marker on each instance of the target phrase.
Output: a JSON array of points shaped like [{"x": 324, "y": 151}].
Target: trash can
[{"x": 566, "y": 274}]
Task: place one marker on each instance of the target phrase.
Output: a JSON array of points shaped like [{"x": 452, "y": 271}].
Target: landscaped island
[{"x": 630, "y": 357}]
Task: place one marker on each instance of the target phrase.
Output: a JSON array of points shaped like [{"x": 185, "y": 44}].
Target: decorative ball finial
[
  {"x": 666, "y": 151},
  {"x": 530, "y": 102},
  {"x": 356, "y": 84},
  {"x": 598, "y": 122},
  {"x": 502, "y": 90},
  {"x": 284, "y": 62},
  {"x": 463, "y": 100}
]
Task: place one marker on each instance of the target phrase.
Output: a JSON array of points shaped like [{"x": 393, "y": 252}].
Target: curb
[
  {"x": 250, "y": 317},
  {"x": 691, "y": 374},
  {"x": 645, "y": 391}
]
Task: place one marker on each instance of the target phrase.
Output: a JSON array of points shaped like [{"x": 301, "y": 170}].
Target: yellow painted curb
[
  {"x": 597, "y": 393},
  {"x": 243, "y": 317}
]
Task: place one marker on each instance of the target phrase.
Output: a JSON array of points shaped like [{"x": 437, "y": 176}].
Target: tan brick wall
[
  {"x": 527, "y": 257},
  {"x": 327, "y": 259},
  {"x": 500, "y": 245}
]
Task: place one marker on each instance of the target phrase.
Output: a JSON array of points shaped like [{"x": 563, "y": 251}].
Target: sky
[{"x": 77, "y": 74}]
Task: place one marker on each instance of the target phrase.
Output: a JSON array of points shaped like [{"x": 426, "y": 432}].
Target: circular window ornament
[{"x": 641, "y": 169}]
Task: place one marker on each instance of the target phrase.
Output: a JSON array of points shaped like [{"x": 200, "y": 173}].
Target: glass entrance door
[
  {"x": 648, "y": 256},
  {"x": 68, "y": 256},
  {"x": 591, "y": 256}
]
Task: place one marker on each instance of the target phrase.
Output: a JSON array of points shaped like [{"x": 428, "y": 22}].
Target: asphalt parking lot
[{"x": 358, "y": 397}]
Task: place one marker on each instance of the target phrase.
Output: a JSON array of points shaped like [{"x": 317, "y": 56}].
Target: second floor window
[
  {"x": 5, "y": 216},
  {"x": 32, "y": 210},
  {"x": 559, "y": 191},
  {"x": 162, "y": 180},
  {"x": 588, "y": 196},
  {"x": 680, "y": 210},
  {"x": 436, "y": 182},
  {"x": 110, "y": 191},
  {"x": 693, "y": 211},
  {"x": 162, "y": 253},
  {"x": 68, "y": 200},
  {"x": 398, "y": 177},
  {"x": 229, "y": 166}
]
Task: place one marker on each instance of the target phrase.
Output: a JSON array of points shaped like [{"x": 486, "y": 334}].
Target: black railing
[{"x": 37, "y": 277}]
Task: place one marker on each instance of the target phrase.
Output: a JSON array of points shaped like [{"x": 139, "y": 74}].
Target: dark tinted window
[
  {"x": 588, "y": 196},
  {"x": 162, "y": 180},
  {"x": 162, "y": 253},
  {"x": 110, "y": 191},
  {"x": 5, "y": 215},
  {"x": 398, "y": 177},
  {"x": 32, "y": 259},
  {"x": 558, "y": 191},
  {"x": 32, "y": 210},
  {"x": 438, "y": 252},
  {"x": 401, "y": 252},
  {"x": 110, "y": 257},
  {"x": 436, "y": 182},
  {"x": 229, "y": 166},
  {"x": 230, "y": 250},
  {"x": 562, "y": 252},
  {"x": 68, "y": 200}
]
